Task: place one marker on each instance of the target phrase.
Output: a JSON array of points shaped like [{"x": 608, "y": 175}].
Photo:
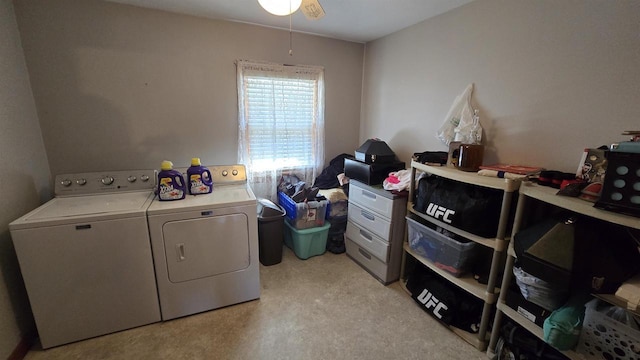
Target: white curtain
[{"x": 280, "y": 123}]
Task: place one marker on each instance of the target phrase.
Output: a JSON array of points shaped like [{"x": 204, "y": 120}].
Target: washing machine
[
  {"x": 85, "y": 256},
  {"x": 205, "y": 247}
]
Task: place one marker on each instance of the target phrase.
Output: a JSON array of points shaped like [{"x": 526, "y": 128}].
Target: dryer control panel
[{"x": 228, "y": 174}]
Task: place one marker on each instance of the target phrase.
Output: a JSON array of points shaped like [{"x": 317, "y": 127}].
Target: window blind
[{"x": 280, "y": 117}]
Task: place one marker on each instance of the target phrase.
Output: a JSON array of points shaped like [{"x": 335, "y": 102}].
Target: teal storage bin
[{"x": 306, "y": 243}]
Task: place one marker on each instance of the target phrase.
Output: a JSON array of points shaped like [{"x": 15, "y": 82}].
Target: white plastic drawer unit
[
  {"x": 365, "y": 239},
  {"x": 369, "y": 220},
  {"x": 370, "y": 200},
  {"x": 372, "y": 264}
]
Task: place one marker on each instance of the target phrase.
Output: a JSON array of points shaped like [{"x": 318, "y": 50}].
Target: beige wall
[
  {"x": 24, "y": 178},
  {"x": 121, "y": 87},
  {"x": 551, "y": 78}
]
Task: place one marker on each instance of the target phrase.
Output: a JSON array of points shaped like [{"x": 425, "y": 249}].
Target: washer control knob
[
  {"x": 107, "y": 180},
  {"x": 234, "y": 172},
  {"x": 144, "y": 178},
  {"x": 225, "y": 173},
  {"x": 131, "y": 179},
  {"x": 65, "y": 182},
  {"x": 81, "y": 181}
]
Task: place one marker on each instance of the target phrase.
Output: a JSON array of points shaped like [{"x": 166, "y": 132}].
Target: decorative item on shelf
[
  {"x": 470, "y": 157},
  {"x": 471, "y": 150},
  {"x": 621, "y": 186},
  {"x": 593, "y": 165}
]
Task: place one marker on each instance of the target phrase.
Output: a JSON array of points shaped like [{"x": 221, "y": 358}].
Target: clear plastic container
[{"x": 452, "y": 255}]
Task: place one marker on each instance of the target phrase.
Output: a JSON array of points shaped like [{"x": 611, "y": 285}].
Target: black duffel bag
[
  {"x": 471, "y": 208},
  {"x": 444, "y": 301}
]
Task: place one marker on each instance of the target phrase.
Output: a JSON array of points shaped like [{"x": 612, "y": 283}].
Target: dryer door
[{"x": 208, "y": 246}]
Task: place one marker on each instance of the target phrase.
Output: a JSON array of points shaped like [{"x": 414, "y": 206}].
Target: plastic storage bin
[
  {"x": 303, "y": 215},
  {"x": 446, "y": 253},
  {"x": 306, "y": 243},
  {"x": 603, "y": 337}
]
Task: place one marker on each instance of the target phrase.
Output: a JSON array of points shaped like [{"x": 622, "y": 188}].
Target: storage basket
[
  {"x": 303, "y": 215},
  {"x": 603, "y": 337},
  {"x": 306, "y": 243},
  {"x": 454, "y": 256}
]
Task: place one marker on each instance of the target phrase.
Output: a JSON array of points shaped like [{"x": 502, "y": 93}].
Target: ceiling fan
[{"x": 310, "y": 8}]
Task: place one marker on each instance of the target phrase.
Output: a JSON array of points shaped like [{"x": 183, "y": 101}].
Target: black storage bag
[
  {"x": 606, "y": 255},
  {"x": 444, "y": 301},
  {"x": 555, "y": 235},
  {"x": 335, "y": 239},
  {"x": 472, "y": 208}
]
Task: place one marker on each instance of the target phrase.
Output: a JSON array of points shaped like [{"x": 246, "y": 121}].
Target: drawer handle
[
  {"x": 368, "y": 194},
  {"x": 83, "y": 227},
  {"x": 364, "y": 253},
  {"x": 366, "y": 235},
  {"x": 367, "y": 215}
]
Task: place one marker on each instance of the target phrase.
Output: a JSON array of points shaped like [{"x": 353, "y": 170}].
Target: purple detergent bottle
[
  {"x": 199, "y": 177},
  {"x": 171, "y": 184}
]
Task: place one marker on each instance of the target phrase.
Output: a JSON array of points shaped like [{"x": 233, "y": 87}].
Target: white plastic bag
[
  {"x": 460, "y": 117},
  {"x": 398, "y": 180}
]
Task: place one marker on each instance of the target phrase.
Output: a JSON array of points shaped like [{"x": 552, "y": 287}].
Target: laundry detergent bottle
[
  {"x": 199, "y": 177},
  {"x": 171, "y": 184}
]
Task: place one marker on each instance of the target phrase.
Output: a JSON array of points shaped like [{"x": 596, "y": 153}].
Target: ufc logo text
[
  {"x": 429, "y": 301},
  {"x": 438, "y": 212}
]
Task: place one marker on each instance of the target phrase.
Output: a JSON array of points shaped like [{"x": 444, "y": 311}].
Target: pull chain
[{"x": 290, "y": 35}]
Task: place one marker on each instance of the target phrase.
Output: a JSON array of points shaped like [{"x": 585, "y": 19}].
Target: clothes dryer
[
  {"x": 85, "y": 256},
  {"x": 205, "y": 247}
]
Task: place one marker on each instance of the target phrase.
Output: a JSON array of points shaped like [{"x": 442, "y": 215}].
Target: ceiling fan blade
[{"x": 312, "y": 9}]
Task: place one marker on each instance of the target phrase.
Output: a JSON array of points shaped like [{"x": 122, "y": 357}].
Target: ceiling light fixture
[{"x": 280, "y": 7}]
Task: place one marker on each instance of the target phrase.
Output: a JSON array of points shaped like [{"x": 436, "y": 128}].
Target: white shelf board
[
  {"x": 466, "y": 282},
  {"x": 548, "y": 195},
  {"x": 473, "y": 339},
  {"x": 614, "y": 300},
  {"x": 507, "y": 185}
]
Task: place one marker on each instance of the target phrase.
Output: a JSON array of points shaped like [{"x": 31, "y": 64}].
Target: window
[{"x": 281, "y": 123}]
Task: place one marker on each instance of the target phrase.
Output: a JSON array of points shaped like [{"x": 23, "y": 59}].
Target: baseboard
[{"x": 21, "y": 350}]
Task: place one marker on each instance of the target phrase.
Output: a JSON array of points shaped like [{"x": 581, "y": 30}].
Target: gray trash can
[{"x": 270, "y": 231}]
